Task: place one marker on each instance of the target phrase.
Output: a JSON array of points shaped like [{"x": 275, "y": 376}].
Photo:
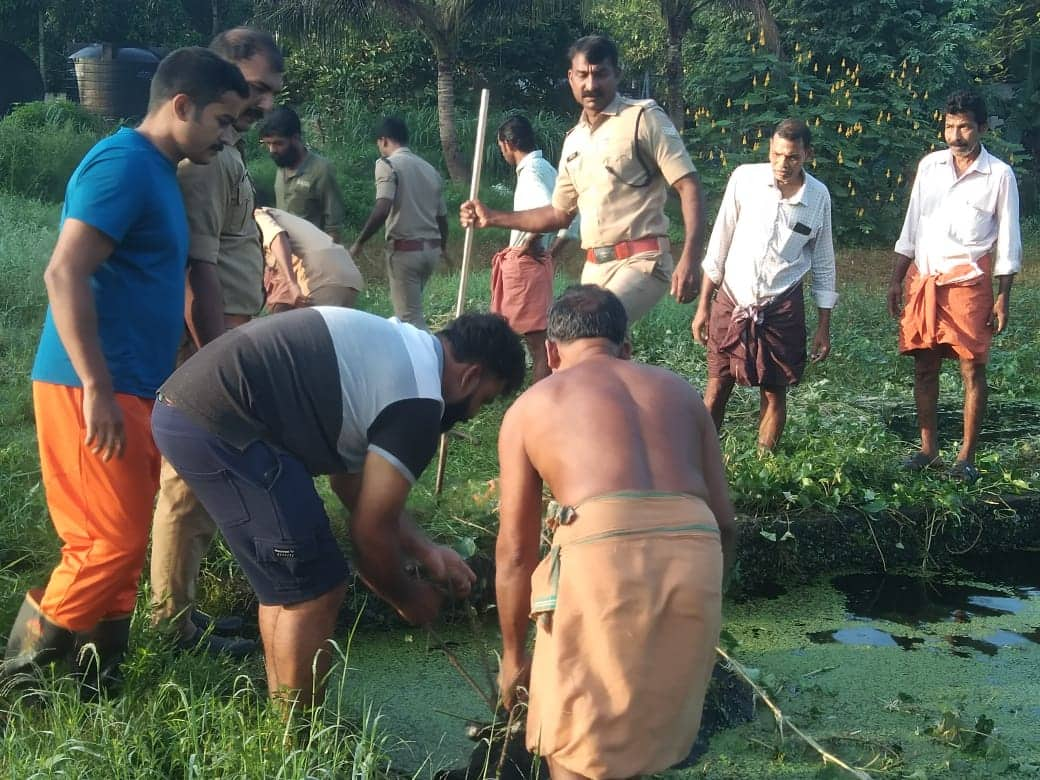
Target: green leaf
[
  {"x": 466, "y": 546},
  {"x": 728, "y": 642}
]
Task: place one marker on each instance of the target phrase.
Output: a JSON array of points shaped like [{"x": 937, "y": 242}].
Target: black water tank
[
  {"x": 112, "y": 81},
  {"x": 21, "y": 82}
]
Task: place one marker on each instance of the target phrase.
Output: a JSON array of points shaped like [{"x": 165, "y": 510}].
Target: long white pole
[{"x": 467, "y": 251}]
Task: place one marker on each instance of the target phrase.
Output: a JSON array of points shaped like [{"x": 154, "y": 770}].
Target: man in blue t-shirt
[{"x": 115, "y": 282}]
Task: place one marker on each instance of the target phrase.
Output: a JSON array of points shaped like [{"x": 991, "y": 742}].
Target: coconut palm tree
[
  {"x": 678, "y": 17},
  {"x": 439, "y": 21}
]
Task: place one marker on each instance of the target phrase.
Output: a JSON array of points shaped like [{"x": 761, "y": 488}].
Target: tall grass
[
  {"x": 40, "y": 146},
  {"x": 203, "y": 719}
]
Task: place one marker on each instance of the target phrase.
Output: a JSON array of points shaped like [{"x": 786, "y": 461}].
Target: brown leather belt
[
  {"x": 624, "y": 250},
  {"x": 415, "y": 244}
]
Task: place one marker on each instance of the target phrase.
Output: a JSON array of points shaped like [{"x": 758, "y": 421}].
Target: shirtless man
[{"x": 628, "y": 599}]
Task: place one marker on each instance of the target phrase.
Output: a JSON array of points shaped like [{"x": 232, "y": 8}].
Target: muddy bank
[{"x": 802, "y": 547}]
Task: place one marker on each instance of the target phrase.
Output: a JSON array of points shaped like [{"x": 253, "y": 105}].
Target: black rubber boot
[
  {"x": 97, "y": 656},
  {"x": 34, "y": 641},
  {"x": 225, "y": 625}
]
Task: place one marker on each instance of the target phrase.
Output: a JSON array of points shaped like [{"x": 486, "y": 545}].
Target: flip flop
[
  {"x": 919, "y": 462},
  {"x": 965, "y": 471}
]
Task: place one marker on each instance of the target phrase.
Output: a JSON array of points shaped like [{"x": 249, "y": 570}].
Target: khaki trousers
[
  {"x": 181, "y": 534},
  {"x": 639, "y": 281},
  {"x": 408, "y": 273},
  {"x": 334, "y": 295}
]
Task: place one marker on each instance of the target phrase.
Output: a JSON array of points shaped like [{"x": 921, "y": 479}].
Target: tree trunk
[
  {"x": 215, "y": 16},
  {"x": 674, "y": 77},
  {"x": 674, "y": 72},
  {"x": 457, "y": 168},
  {"x": 41, "y": 49}
]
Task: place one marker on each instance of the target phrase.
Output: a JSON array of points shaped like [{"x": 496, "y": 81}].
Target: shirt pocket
[
  {"x": 790, "y": 243},
  {"x": 241, "y": 206},
  {"x": 971, "y": 218},
  {"x": 623, "y": 164}
]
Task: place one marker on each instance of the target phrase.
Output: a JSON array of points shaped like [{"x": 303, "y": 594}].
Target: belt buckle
[{"x": 604, "y": 254}]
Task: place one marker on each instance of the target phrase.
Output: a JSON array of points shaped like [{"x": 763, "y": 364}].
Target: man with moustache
[
  {"x": 961, "y": 230},
  {"x": 115, "y": 284},
  {"x": 615, "y": 169},
  {"x": 304, "y": 184},
  {"x": 773, "y": 227},
  {"x": 224, "y": 290},
  {"x": 254, "y": 416}
]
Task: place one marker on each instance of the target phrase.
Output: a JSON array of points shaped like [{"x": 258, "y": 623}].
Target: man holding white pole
[{"x": 617, "y": 164}]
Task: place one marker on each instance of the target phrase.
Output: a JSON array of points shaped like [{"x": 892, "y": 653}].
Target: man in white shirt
[
  {"x": 961, "y": 229},
  {"x": 773, "y": 227},
  {"x": 522, "y": 273}
]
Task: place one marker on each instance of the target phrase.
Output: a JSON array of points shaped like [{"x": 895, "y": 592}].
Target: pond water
[{"x": 866, "y": 662}]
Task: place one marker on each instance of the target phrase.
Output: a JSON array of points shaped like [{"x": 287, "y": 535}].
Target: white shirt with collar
[
  {"x": 763, "y": 243},
  {"x": 954, "y": 221},
  {"x": 535, "y": 181}
]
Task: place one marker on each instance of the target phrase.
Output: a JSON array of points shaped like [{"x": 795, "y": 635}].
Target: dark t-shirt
[{"x": 326, "y": 384}]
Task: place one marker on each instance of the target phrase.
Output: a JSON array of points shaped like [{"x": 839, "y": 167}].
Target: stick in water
[
  {"x": 782, "y": 720},
  {"x": 467, "y": 250}
]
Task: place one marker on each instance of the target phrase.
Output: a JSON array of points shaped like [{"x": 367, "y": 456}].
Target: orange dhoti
[
  {"x": 102, "y": 511},
  {"x": 522, "y": 288},
  {"x": 628, "y": 605},
  {"x": 949, "y": 313}
]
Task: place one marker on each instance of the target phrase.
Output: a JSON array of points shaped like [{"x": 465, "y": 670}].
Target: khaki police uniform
[
  {"x": 219, "y": 200},
  {"x": 413, "y": 237},
  {"x": 324, "y": 270},
  {"x": 311, "y": 192},
  {"x": 617, "y": 176}
]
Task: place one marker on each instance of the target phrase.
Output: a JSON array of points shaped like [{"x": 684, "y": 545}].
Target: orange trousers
[{"x": 101, "y": 511}]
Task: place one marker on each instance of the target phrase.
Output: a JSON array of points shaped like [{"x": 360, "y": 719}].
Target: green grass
[{"x": 197, "y": 717}]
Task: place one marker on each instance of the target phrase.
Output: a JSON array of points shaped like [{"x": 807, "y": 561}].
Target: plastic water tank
[
  {"x": 112, "y": 81},
  {"x": 21, "y": 82}
]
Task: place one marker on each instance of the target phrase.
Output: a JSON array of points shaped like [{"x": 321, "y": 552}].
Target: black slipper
[
  {"x": 965, "y": 471},
  {"x": 919, "y": 462}
]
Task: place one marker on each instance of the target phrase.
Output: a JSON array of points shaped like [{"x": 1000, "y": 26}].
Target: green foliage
[
  {"x": 369, "y": 67},
  {"x": 377, "y": 61},
  {"x": 43, "y": 116},
  {"x": 870, "y": 127},
  {"x": 40, "y": 146}
]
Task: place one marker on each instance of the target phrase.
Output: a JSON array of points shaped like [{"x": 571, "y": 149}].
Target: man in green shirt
[{"x": 304, "y": 185}]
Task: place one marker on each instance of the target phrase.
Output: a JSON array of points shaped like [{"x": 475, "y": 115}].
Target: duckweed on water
[{"x": 873, "y": 703}]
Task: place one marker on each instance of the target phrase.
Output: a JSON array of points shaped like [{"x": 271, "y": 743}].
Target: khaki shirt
[
  {"x": 317, "y": 261},
  {"x": 601, "y": 175},
  {"x": 417, "y": 193},
  {"x": 218, "y": 199},
  {"x": 311, "y": 192}
]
